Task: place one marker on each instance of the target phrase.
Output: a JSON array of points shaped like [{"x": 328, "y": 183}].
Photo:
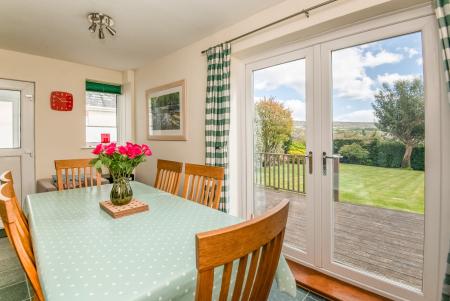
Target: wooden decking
[{"x": 385, "y": 242}]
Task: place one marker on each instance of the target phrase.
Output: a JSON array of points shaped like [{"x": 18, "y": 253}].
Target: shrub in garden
[
  {"x": 418, "y": 158},
  {"x": 390, "y": 154},
  {"x": 338, "y": 143},
  {"x": 354, "y": 153},
  {"x": 297, "y": 147}
]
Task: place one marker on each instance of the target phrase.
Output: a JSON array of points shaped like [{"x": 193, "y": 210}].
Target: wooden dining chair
[
  {"x": 22, "y": 221},
  {"x": 21, "y": 244},
  {"x": 203, "y": 184},
  {"x": 257, "y": 241},
  {"x": 76, "y": 173},
  {"x": 168, "y": 176}
]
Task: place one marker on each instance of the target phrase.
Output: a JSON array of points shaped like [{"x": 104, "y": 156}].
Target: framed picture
[{"x": 166, "y": 112}]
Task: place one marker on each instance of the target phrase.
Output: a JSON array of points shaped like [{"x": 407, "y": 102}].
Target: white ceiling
[{"x": 146, "y": 29}]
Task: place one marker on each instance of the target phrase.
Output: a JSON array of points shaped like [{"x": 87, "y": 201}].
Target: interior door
[
  {"x": 280, "y": 102},
  {"x": 380, "y": 159},
  {"x": 17, "y": 133}
]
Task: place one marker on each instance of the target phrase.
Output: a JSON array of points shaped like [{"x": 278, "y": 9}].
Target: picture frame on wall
[{"x": 166, "y": 112}]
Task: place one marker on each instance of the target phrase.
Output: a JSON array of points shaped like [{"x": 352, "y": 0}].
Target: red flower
[
  {"x": 123, "y": 150},
  {"x": 98, "y": 149},
  {"x": 110, "y": 149},
  {"x": 146, "y": 150}
]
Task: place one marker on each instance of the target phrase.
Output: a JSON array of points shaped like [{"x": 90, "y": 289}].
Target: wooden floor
[{"x": 385, "y": 242}]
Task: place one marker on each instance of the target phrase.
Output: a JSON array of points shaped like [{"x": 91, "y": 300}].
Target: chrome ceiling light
[{"x": 101, "y": 21}]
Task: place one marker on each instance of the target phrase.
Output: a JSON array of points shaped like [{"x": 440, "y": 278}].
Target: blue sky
[{"x": 358, "y": 72}]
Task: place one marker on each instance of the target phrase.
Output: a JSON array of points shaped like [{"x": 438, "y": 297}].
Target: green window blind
[{"x": 105, "y": 88}]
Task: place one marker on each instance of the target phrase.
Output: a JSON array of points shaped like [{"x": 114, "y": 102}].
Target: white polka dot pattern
[{"x": 84, "y": 254}]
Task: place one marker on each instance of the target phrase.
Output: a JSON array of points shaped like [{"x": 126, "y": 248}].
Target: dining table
[{"x": 82, "y": 253}]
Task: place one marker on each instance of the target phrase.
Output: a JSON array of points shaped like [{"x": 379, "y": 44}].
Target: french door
[
  {"x": 277, "y": 174},
  {"x": 344, "y": 129}
]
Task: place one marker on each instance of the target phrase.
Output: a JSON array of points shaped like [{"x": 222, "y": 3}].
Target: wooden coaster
[{"x": 132, "y": 207}]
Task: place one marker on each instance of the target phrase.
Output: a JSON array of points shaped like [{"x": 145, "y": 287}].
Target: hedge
[{"x": 384, "y": 153}]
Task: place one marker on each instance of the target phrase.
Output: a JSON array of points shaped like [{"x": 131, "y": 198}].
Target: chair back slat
[
  {"x": 251, "y": 274},
  {"x": 22, "y": 221},
  {"x": 226, "y": 277},
  {"x": 21, "y": 244},
  {"x": 260, "y": 238},
  {"x": 67, "y": 172},
  {"x": 203, "y": 184},
  {"x": 8, "y": 177},
  {"x": 240, "y": 278},
  {"x": 168, "y": 176}
]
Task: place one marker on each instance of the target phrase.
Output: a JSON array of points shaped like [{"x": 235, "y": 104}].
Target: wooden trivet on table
[{"x": 132, "y": 207}]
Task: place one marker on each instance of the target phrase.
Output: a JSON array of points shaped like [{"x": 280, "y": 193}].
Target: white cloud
[
  {"x": 290, "y": 74},
  {"x": 380, "y": 58},
  {"x": 297, "y": 107},
  {"x": 390, "y": 78},
  {"x": 419, "y": 61},
  {"x": 357, "y": 116},
  {"x": 349, "y": 76},
  {"x": 410, "y": 52},
  {"x": 350, "y": 79}
]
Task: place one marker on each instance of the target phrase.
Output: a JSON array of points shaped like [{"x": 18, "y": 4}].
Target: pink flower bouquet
[{"x": 120, "y": 161}]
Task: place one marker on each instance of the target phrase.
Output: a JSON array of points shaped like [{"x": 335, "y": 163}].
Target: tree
[
  {"x": 274, "y": 125},
  {"x": 400, "y": 111}
]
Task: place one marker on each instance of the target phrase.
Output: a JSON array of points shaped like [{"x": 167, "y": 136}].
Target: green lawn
[{"x": 391, "y": 188}]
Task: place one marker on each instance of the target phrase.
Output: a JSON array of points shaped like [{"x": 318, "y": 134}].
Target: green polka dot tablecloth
[{"x": 84, "y": 254}]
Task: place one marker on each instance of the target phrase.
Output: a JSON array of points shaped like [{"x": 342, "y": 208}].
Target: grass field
[{"x": 391, "y": 188}]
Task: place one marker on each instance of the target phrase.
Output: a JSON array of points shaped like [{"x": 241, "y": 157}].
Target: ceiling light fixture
[{"x": 101, "y": 21}]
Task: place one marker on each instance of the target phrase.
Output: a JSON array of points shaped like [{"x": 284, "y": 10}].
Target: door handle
[
  {"x": 310, "y": 162},
  {"x": 29, "y": 153},
  {"x": 324, "y": 161}
]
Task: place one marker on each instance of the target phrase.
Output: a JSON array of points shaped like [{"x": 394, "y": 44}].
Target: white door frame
[
  {"x": 389, "y": 25},
  {"x": 306, "y": 256},
  {"x": 432, "y": 160},
  {"x": 26, "y": 149}
]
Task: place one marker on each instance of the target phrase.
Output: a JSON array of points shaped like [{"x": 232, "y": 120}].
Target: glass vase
[{"x": 121, "y": 192}]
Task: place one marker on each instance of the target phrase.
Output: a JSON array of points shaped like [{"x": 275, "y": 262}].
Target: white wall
[{"x": 58, "y": 135}]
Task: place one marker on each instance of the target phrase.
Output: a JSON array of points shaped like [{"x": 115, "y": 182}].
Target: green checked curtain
[
  {"x": 218, "y": 112},
  {"x": 443, "y": 17}
]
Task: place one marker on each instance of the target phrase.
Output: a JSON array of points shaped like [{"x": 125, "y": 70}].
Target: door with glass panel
[
  {"x": 17, "y": 134},
  {"x": 378, "y": 156},
  {"x": 280, "y": 140}
]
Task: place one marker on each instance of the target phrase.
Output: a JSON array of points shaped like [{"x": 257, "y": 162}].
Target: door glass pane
[
  {"x": 280, "y": 144},
  {"x": 9, "y": 119},
  {"x": 378, "y": 177}
]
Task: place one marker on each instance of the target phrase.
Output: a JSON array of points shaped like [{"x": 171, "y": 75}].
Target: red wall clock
[{"x": 61, "y": 101}]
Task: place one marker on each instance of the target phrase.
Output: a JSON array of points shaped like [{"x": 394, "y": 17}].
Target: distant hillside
[
  {"x": 341, "y": 125},
  {"x": 354, "y": 125}
]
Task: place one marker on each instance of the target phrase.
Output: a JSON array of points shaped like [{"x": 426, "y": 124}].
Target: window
[
  {"x": 9, "y": 119},
  {"x": 102, "y": 111}
]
